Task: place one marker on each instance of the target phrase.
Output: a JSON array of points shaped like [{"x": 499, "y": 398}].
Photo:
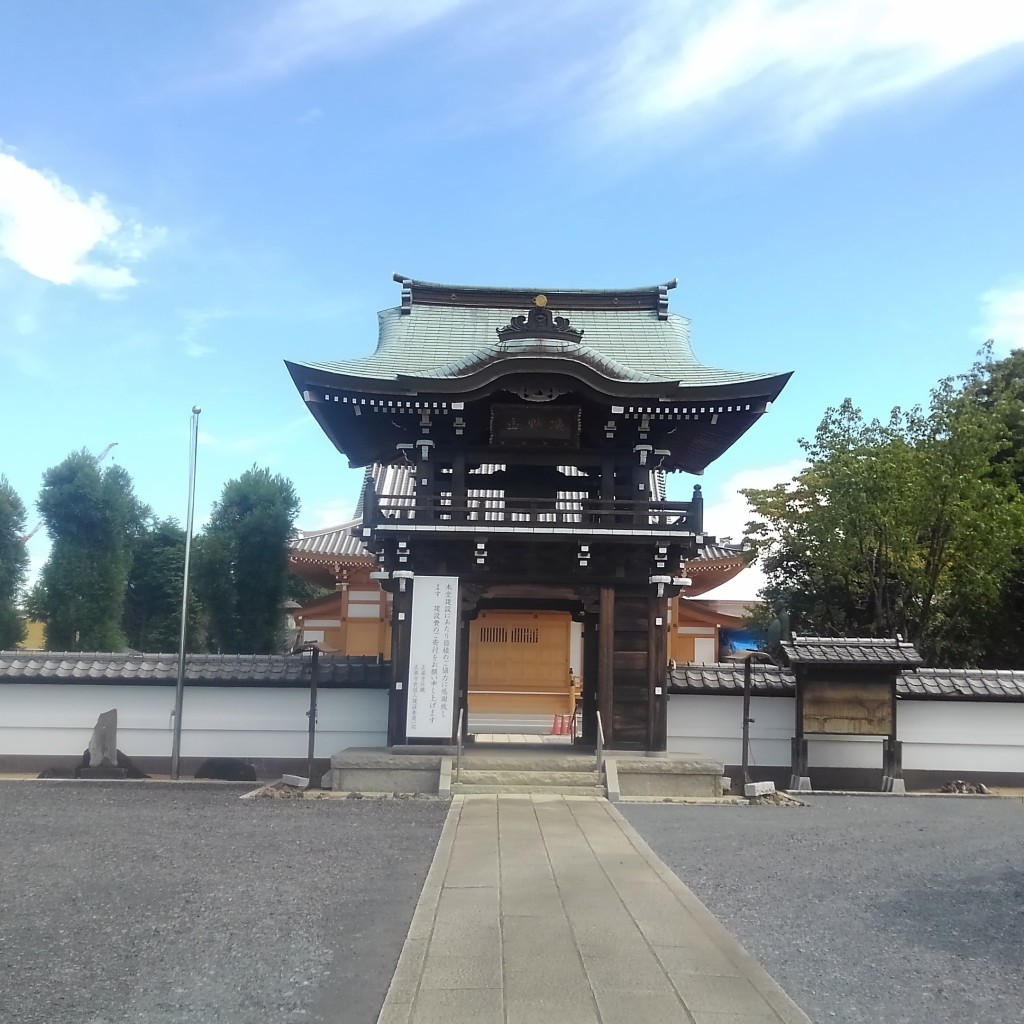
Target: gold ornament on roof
[{"x": 541, "y": 300}]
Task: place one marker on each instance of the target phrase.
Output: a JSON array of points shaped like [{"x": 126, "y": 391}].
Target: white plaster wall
[
  {"x": 961, "y": 737},
  {"x": 57, "y": 719},
  {"x": 844, "y": 751},
  {"x": 711, "y": 724}
]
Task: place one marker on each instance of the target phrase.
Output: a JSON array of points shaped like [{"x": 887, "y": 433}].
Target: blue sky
[{"x": 191, "y": 193}]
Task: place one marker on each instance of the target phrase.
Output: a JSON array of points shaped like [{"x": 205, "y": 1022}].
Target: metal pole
[
  {"x": 179, "y": 691},
  {"x": 314, "y": 679},
  {"x": 746, "y": 720}
]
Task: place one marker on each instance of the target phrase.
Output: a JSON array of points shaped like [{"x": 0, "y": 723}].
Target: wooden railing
[{"x": 590, "y": 514}]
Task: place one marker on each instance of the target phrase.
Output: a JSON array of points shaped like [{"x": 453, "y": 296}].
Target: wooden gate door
[{"x": 519, "y": 663}]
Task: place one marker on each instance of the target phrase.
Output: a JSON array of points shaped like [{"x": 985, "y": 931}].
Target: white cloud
[
  {"x": 301, "y": 32},
  {"x": 729, "y": 515},
  {"x": 51, "y": 232},
  {"x": 1002, "y": 316},
  {"x": 808, "y": 63},
  {"x": 261, "y": 443},
  {"x": 196, "y": 321},
  {"x": 334, "y": 512}
]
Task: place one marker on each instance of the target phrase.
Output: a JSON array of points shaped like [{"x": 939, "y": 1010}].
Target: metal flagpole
[{"x": 179, "y": 692}]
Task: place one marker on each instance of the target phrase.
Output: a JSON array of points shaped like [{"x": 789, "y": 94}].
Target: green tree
[
  {"x": 92, "y": 519},
  {"x": 152, "y": 606},
  {"x": 13, "y": 564},
  {"x": 999, "y": 388},
  {"x": 242, "y": 563},
  {"x": 907, "y": 526}
]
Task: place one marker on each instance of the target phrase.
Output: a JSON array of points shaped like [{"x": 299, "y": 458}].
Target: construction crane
[{"x": 96, "y": 460}]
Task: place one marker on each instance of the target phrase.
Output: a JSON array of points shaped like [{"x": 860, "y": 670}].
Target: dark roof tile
[
  {"x": 828, "y": 650},
  {"x": 200, "y": 669},
  {"x": 728, "y": 678}
]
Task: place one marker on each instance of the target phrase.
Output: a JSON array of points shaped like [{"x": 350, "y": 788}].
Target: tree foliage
[
  {"x": 92, "y": 519},
  {"x": 999, "y": 389},
  {"x": 13, "y": 564},
  {"x": 152, "y": 607},
  {"x": 242, "y": 563},
  {"x": 908, "y": 526}
]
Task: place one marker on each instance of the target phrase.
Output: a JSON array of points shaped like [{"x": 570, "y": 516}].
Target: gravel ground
[
  {"x": 172, "y": 904},
  {"x": 903, "y": 911}
]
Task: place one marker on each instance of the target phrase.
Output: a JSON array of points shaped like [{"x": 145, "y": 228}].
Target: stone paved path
[{"x": 554, "y": 909}]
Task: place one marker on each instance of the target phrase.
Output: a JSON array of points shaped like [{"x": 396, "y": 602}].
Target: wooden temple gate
[{"x": 527, "y": 453}]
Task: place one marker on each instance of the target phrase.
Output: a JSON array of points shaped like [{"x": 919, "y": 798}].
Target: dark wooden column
[
  {"x": 401, "y": 630},
  {"x": 657, "y": 674},
  {"x": 589, "y": 673},
  {"x": 606, "y": 660}
]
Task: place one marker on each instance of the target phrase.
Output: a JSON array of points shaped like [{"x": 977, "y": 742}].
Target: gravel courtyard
[
  {"x": 901, "y": 911},
  {"x": 159, "y": 904}
]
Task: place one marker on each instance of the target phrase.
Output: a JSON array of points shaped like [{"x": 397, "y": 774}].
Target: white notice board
[{"x": 430, "y": 712}]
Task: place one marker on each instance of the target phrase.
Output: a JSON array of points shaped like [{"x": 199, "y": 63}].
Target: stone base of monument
[
  {"x": 667, "y": 775},
  {"x": 106, "y": 770}
]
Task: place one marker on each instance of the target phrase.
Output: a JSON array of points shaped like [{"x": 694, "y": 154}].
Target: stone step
[
  {"x": 468, "y": 789},
  {"x": 540, "y": 779},
  {"x": 526, "y": 761}
]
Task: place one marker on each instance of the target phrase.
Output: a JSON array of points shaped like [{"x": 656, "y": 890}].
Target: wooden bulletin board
[{"x": 848, "y": 708}]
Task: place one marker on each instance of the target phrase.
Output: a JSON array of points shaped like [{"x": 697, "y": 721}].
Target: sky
[{"x": 192, "y": 193}]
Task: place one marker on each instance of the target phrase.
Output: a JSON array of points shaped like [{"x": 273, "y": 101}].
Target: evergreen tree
[
  {"x": 92, "y": 519},
  {"x": 13, "y": 564},
  {"x": 152, "y": 606},
  {"x": 242, "y": 563}
]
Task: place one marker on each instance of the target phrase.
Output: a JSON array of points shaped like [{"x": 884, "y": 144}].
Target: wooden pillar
[
  {"x": 606, "y": 660},
  {"x": 799, "y": 745},
  {"x": 895, "y": 751},
  {"x": 401, "y": 632},
  {"x": 589, "y": 674},
  {"x": 657, "y": 675}
]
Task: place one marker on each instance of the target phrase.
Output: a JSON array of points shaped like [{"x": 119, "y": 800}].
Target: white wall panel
[
  {"x": 952, "y": 736},
  {"x": 57, "y": 719},
  {"x": 958, "y": 736}
]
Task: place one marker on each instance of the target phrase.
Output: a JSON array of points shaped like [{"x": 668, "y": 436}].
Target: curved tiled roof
[
  {"x": 450, "y": 341},
  {"x": 975, "y": 683},
  {"x": 833, "y": 650},
  {"x": 916, "y": 684},
  {"x": 289, "y": 670},
  {"x": 765, "y": 680},
  {"x": 274, "y": 670}
]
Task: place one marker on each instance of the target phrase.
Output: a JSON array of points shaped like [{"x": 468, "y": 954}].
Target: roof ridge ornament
[{"x": 539, "y": 322}]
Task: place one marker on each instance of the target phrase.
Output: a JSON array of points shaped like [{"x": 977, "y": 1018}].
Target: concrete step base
[
  {"x": 541, "y": 780},
  {"x": 469, "y": 789}
]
